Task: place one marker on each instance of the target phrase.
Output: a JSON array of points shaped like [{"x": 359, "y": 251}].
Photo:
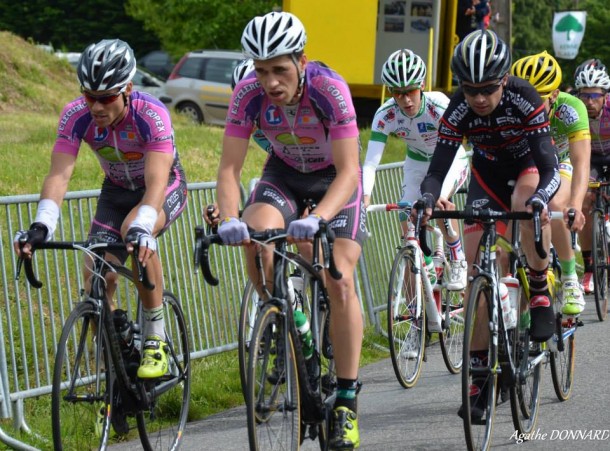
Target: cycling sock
[
  {"x": 538, "y": 283},
  {"x": 153, "y": 321},
  {"x": 568, "y": 268},
  {"x": 587, "y": 259},
  {"x": 346, "y": 393},
  {"x": 457, "y": 252}
]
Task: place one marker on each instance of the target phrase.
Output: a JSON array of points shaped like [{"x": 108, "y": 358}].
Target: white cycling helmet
[
  {"x": 272, "y": 35},
  {"x": 403, "y": 68},
  {"x": 241, "y": 70},
  {"x": 106, "y": 65},
  {"x": 481, "y": 56},
  {"x": 591, "y": 74}
]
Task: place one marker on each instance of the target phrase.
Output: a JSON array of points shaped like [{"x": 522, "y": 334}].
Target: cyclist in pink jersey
[
  {"x": 306, "y": 112},
  {"x": 144, "y": 189}
]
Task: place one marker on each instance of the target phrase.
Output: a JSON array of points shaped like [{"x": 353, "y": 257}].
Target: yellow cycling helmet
[{"x": 541, "y": 70}]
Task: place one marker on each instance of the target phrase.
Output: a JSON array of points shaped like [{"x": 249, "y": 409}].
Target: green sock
[{"x": 568, "y": 267}]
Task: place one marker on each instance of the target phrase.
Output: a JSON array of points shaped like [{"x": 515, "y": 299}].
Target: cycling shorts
[
  {"x": 415, "y": 171},
  {"x": 491, "y": 186},
  {"x": 116, "y": 202},
  {"x": 290, "y": 190}
]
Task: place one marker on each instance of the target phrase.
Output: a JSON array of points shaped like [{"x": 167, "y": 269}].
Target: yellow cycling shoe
[
  {"x": 154, "y": 362},
  {"x": 344, "y": 432}
]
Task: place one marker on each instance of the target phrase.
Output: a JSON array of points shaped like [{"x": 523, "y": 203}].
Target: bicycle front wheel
[
  {"x": 247, "y": 316},
  {"x": 479, "y": 382},
  {"x": 161, "y": 426},
  {"x": 406, "y": 318},
  {"x": 562, "y": 361},
  {"x": 452, "y": 338},
  {"x": 82, "y": 383},
  {"x": 272, "y": 403},
  {"x": 600, "y": 265}
]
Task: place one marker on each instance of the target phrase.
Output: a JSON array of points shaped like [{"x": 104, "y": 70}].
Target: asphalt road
[{"x": 424, "y": 417}]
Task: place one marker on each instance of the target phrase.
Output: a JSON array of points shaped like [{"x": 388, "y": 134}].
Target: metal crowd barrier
[{"x": 31, "y": 320}]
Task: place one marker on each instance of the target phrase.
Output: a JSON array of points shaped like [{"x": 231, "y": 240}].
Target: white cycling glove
[
  {"x": 305, "y": 229},
  {"x": 233, "y": 231}
]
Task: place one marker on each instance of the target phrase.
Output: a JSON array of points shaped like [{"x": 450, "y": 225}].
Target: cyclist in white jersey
[
  {"x": 593, "y": 83},
  {"x": 570, "y": 131},
  {"x": 413, "y": 116}
]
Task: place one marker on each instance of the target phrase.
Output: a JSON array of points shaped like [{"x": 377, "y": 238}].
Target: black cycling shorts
[
  {"x": 116, "y": 202},
  {"x": 289, "y": 190}
]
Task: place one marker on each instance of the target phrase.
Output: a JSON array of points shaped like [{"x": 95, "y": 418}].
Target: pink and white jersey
[
  {"x": 301, "y": 137},
  {"x": 121, "y": 149}
]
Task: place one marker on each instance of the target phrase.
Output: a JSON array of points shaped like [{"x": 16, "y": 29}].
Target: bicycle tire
[
  {"x": 452, "y": 338},
  {"x": 562, "y": 362},
  {"x": 80, "y": 410},
  {"x": 162, "y": 425},
  {"x": 406, "y": 318},
  {"x": 600, "y": 265},
  {"x": 273, "y": 405},
  {"x": 328, "y": 376},
  {"x": 247, "y": 316},
  {"x": 478, "y": 433},
  {"x": 525, "y": 392}
]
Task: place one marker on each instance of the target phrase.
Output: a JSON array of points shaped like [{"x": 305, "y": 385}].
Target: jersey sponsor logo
[
  {"x": 566, "y": 114},
  {"x": 338, "y": 222},
  {"x": 127, "y": 136},
  {"x": 380, "y": 125},
  {"x": 173, "y": 198},
  {"x": 175, "y": 210},
  {"x": 71, "y": 112},
  {"x": 307, "y": 120},
  {"x": 158, "y": 121},
  {"x": 288, "y": 139},
  {"x": 116, "y": 156},
  {"x": 99, "y": 134},
  {"x": 272, "y": 115},
  {"x": 423, "y": 127},
  {"x": 341, "y": 103},
  {"x": 390, "y": 115}
]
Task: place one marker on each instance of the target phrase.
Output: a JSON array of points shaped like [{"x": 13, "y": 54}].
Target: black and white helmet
[
  {"x": 403, "y": 68},
  {"x": 241, "y": 70},
  {"x": 106, "y": 65},
  {"x": 274, "y": 34},
  {"x": 480, "y": 57},
  {"x": 592, "y": 74}
]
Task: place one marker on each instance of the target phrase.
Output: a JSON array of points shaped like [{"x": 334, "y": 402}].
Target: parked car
[
  {"x": 158, "y": 62},
  {"x": 200, "y": 85}
]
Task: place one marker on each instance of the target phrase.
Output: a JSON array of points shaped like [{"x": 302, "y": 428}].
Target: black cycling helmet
[
  {"x": 480, "y": 57},
  {"x": 106, "y": 65}
]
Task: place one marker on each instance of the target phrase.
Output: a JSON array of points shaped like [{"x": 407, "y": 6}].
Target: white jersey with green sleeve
[{"x": 419, "y": 133}]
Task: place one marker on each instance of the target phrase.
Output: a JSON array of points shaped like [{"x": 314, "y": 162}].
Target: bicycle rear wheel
[
  {"x": 162, "y": 426},
  {"x": 600, "y": 264},
  {"x": 272, "y": 403},
  {"x": 452, "y": 338},
  {"x": 82, "y": 383},
  {"x": 406, "y": 318},
  {"x": 525, "y": 392},
  {"x": 478, "y": 411},
  {"x": 247, "y": 316},
  {"x": 562, "y": 361}
]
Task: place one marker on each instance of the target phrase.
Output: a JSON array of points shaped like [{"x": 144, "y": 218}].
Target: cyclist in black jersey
[{"x": 514, "y": 162}]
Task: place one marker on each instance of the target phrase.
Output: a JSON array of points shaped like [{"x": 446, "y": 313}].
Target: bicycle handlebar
[
  {"x": 90, "y": 245},
  {"x": 203, "y": 242}
]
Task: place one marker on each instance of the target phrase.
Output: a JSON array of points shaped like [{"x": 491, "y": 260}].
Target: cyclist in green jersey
[{"x": 570, "y": 131}]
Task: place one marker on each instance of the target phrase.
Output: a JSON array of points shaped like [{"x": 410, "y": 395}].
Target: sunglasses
[
  {"x": 590, "y": 95},
  {"x": 396, "y": 92},
  {"x": 104, "y": 100},
  {"x": 487, "y": 90}
]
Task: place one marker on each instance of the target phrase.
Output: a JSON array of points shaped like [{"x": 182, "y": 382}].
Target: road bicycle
[
  {"x": 416, "y": 309},
  {"x": 514, "y": 361},
  {"x": 288, "y": 397},
  {"x": 600, "y": 253},
  {"x": 95, "y": 385}
]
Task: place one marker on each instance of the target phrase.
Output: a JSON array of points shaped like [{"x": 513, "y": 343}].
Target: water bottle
[
  {"x": 295, "y": 290},
  {"x": 123, "y": 327},
  {"x": 438, "y": 270},
  {"x": 430, "y": 269},
  {"x": 508, "y": 314},
  {"x": 302, "y": 324}
]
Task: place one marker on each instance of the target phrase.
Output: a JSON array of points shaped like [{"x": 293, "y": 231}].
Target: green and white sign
[{"x": 568, "y": 31}]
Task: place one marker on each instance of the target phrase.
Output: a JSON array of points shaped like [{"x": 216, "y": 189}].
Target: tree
[{"x": 193, "y": 24}]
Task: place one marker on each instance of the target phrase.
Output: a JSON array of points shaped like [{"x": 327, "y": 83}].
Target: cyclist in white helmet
[
  {"x": 413, "y": 116},
  {"x": 306, "y": 112},
  {"x": 144, "y": 189},
  {"x": 592, "y": 84}
]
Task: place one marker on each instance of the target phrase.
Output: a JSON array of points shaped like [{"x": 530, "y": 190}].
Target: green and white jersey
[{"x": 569, "y": 123}]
